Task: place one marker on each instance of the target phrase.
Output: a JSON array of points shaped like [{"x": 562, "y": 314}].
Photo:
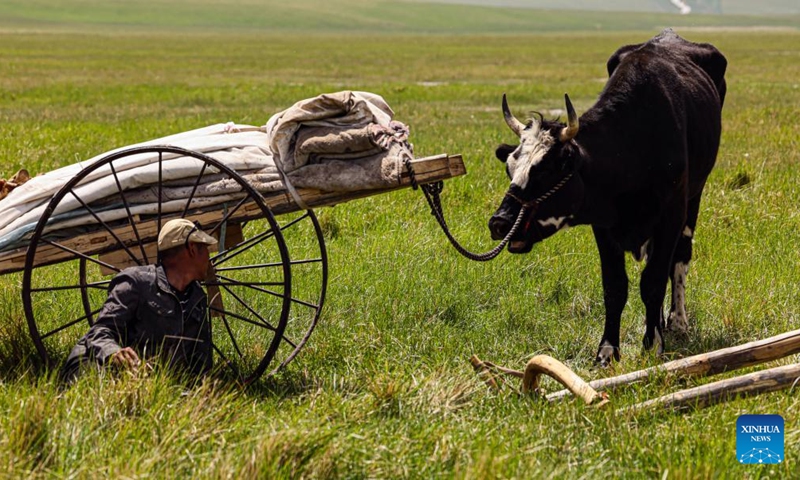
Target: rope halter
[{"x": 533, "y": 205}]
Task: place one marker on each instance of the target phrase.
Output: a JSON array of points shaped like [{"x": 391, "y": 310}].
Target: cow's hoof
[
  {"x": 678, "y": 324},
  {"x": 605, "y": 354},
  {"x": 656, "y": 339}
]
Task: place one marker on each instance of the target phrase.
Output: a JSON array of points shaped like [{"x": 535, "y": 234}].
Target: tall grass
[{"x": 383, "y": 388}]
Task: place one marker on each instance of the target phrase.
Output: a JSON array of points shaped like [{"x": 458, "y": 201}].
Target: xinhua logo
[{"x": 759, "y": 439}]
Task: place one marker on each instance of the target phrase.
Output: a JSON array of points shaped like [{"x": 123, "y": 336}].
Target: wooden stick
[
  {"x": 545, "y": 364},
  {"x": 484, "y": 372},
  {"x": 507, "y": 371},
  {"x": 770, "y": 380},
  {"x": 711, "y": 363}
]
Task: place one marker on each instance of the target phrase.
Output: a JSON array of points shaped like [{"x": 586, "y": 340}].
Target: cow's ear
[
  {"x": 615, "y": 59},
  {"x": 503, "y": 151}
]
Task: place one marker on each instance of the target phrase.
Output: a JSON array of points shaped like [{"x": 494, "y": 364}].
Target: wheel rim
[
  {"x": 306, "y": 245},
  {"x": 309, "y": 267},
  {"x": 248, "y": 326}
]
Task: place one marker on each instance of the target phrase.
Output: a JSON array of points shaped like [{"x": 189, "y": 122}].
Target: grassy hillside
[
  {"x": 384, "y": 388},
  {"x": 726, "y": 7},
  {"x": 353, "y": 16}
]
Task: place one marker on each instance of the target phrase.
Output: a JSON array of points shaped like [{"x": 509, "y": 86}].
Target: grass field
[
  {"x": 384, "y": 388},
  {"x": 339, "y": 16}
]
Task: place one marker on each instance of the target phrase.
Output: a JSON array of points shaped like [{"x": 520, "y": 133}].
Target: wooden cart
[{"x": 267, "y": 280}]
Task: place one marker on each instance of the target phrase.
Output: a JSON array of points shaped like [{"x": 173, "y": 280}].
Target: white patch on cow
[
  {"x": 678, "y": 320},
  {"x": 687, "y": 231},
  {"x": 558, "y": 222},
  {"x": 659, "y": 343},
  {"x": 605, "y": 354},
  {"x": 533, "y": 146}
]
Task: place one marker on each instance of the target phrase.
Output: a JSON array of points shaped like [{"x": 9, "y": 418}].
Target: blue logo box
[{"x": 759, "y": 439}]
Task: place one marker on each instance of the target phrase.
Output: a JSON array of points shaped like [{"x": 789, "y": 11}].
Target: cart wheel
[
  {"x": 309, "y": 265},
  {"x": 309, "y": 272},
  {"x": 72, "y": 256}
]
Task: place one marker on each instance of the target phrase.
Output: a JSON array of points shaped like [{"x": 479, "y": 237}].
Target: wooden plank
[
  {"x": 233, "y": 236},
  {"x": 427, "y": 170},
  {"x": 121, "y": 259}
]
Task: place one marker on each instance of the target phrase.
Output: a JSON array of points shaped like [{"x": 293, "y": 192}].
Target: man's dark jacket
[{"x": 142, "y": 312}]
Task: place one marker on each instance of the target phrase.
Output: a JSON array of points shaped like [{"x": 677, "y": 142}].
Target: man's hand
[{"x": 126, "y": 359}]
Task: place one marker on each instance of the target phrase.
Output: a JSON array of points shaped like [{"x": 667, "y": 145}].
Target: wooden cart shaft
[{"x": 427, "y": 170}]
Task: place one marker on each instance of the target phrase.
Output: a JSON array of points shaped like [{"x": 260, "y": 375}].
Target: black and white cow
[{"x": 633, "y": 167}]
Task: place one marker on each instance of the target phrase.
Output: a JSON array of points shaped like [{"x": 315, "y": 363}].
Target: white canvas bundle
[
  {"x": 251, "y": 151},
  {"x": 244, "y": 149}
]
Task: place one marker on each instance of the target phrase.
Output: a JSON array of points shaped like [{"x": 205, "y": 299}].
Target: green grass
[
  {"x": 384, "y": 388},
  {"x": 342, "y": 16}
]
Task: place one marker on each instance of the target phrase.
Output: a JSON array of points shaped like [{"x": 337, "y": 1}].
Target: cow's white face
[
  {"x": 534, "y": 145},
  {"x": 542, "y": 170},
  {"x": 536, "y": 167}
]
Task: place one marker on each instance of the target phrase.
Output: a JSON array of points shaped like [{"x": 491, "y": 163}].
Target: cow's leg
[
  {"x": 653, "y": 284},
  {"x": 677, "y": 321},
  {"x": 615, "y": 293}
]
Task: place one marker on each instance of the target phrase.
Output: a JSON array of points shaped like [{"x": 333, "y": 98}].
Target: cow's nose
[{"x": 499, "y": 227}]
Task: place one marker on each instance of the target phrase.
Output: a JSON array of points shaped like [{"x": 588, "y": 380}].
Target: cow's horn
[
  {"x": 515, "y": 125},
  {"x": 569, "y": 132}
]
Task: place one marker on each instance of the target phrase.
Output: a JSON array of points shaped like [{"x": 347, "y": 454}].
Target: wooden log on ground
[
  {"x": 545, "y": 364},
  {"x": 711, "y": 363},
  {"x": 427, "y": 170},
  {"x": 770, "y": 380}
]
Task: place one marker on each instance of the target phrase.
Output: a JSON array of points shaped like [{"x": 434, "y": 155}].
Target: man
[{"x": 154, "y": 310}]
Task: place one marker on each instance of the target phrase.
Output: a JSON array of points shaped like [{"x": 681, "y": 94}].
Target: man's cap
[{"x": 179, "y": 232}]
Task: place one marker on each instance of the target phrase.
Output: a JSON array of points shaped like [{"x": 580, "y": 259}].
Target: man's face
[{"x": 198, "y": 252}]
